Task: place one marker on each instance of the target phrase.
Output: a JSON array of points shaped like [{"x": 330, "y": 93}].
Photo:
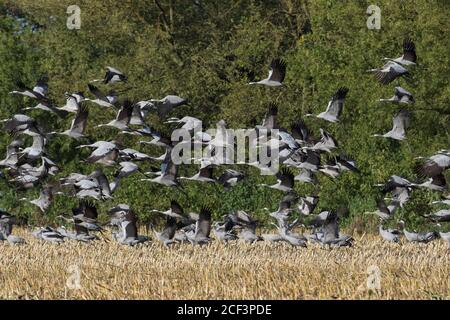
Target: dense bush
[{"x": 206, "y": 51}]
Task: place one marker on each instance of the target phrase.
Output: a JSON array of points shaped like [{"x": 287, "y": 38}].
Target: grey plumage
[
  {"x": 400, "y": 124},
  {"x": 335, "y": 106},
  {"x": 276, "y": 75},
  {"x": 167, "y": 104}
]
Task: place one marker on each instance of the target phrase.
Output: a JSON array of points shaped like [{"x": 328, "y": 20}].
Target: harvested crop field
[{"x": 372, "y": 269}]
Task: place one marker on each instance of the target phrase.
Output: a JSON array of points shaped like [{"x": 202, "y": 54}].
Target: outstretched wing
[
  {"x": 409, "y": 50},
  {"x": 124, "y": 114},
  {"x": 287, "y": 177},
  {"x": 176, "y": 208},
  {"x": 80, "y": 121},
  {"x": 277, "y": 70},
  {"x": 401, "y": 121},
  {"x": 96, "y": 92},
  {"x": 203, "y": 227},
  {"x": 169, "y": 228},
  {"x": 270, "y": 119},
  {"x": 336, "y": 103},
  {"x": 300, "y": 131}
]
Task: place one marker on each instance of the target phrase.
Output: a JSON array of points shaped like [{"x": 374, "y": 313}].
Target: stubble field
[{"x": 372, "y": 269}]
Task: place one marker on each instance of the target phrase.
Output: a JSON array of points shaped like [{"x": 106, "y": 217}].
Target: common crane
[
  {"x": 106, "y": 152},
  {"x": 417, "y": 237},
  {"x": 122, "y": 119},
  {"x": 113, "y": 75},
  {"x": 389, "y": 72},
  {"x": 230, "y": 178},
  {"x": 409, "y": 56},
  {"x": 334, "y": 107},
  {"x": 390, "y": 235},
  {"x": 78, "y": 125},
  {"x": 276, "y": 76},
  {"x": 38, "y": 92},
  {"x": 48, "y": 234},
  {"x": 400, "y": 96},
  {"x": 204, "y": 175},
  {"x": 6, "y": 226},
  {"x": 167, "y": 104},
  {"x": 440, "y": 216},
  {"x": 285, "y": 181},
  {"x": 400, "y": 124},
  {"x": 102, "y": 99},
  {"x": 126, "y": 220},
  {"x": 202, "y": 228},
  {"x": 166, "y": 236},
  {"x": 384, "y": 211}
]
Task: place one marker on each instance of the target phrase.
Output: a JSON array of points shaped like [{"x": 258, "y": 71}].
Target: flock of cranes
[{"x": 31, "y": 166}]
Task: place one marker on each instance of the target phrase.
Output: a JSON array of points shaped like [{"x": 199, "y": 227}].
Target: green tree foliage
[{"x": 207, "y": 51}]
